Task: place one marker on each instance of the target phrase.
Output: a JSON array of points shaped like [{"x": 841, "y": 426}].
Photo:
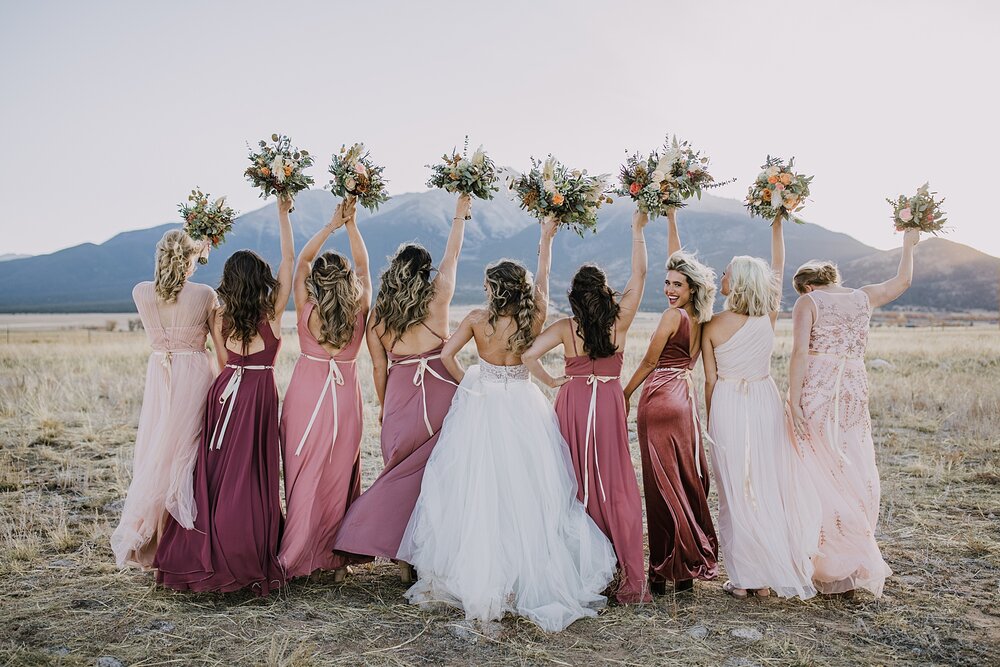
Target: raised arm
[
  {"x": 549, "y": 227},
  {"x": 461, "y": 336},
  {"x": 359, "y": 255},
  {"x": 708, "y": 360},
  {"x": 380, "y": 364},
  {"x": 547, "y": 340},
  {"x": 445, "y": 280},
  {"x": 308, "y": 255},
  {"x": 632, "y": 298},
  {"x": 673, "y": 236},
  {"x": 284, "y": 287},
  {"x": 892, "y": 289},
  {"x": 666, "y": 328},
  {"x": 778, "y": 260},
  {"x": 803, "y": 316}
]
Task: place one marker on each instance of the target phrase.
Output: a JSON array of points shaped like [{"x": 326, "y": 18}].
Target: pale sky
[{"x": 112, "y": 111}]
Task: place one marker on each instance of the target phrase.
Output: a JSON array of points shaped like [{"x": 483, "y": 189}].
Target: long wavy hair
[
  {"x": 595, "y": 308},
  {"x": 512, "y": 294},
  {"x": 817, "y": 273},
  {"x": 405, "y": 291},
  {"x": 754, "y": 289},
  {"x": 701, "y": 282},
  {"x": 174, "y": 252},
  {"x": 247, "y": 295},
  {"x": 334, "y": 288}
]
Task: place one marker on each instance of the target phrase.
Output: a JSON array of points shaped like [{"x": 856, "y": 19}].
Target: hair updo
[
  {"x": 754, "y": 289},
  {"x": 336, "y": 291},
  {"x": 512, "y": 295},
  {"x": 815, "y": 273},
  {"x": 595, "y": 309},
  {"x": 174, "y": 253},
  {"x": 405, "y": 291}
]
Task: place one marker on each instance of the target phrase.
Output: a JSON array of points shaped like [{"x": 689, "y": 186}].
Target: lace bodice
[
  {"x": 502, "y": 374},
  {"x": 842, "y": 322}
]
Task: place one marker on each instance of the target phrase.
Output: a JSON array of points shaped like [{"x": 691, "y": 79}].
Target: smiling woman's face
[{"x": 677, "y": 289}]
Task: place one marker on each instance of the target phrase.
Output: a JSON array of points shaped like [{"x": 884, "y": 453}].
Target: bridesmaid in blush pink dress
[
  {"x": 413, "y": 386},
  {"x": 828, "y": 393},
  {"x": 234, "y": 542},
  {"x": 591, "y": 408},
  {"x": 321, "y": 419},
  {"x": 177, "y": 316}
]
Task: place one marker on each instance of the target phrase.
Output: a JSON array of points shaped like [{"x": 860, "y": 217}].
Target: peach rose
[
  {"x": 265, "y": 172},
  {"x": 786, "y": 178},
  {"x": 288, "y": 170},
  {"x": 772, "y": 179},
  {"x": 557, "y": 199}
]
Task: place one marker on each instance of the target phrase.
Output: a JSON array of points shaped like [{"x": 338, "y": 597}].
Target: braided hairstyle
[
  {"x": 595, "y": 308},
  {"x": 336, "y": 291},
  {"x": 405, "y": 291},
  {"x": 816, "y": 273},
  {"x": 512, "y": 295},
  {"x": 174, "y": 252}
]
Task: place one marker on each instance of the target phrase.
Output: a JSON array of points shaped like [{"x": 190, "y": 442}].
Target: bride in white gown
[{"x": 498, "y": 527}]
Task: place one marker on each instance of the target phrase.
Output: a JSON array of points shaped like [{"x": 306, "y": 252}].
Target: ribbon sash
[
  {"x": 229, "y": 396},
  {"x": 334, "y": 379},
  {"x": 593, "y": 381}
]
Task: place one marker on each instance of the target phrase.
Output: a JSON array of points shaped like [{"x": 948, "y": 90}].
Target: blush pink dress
[
  {"x": 321, "y": 427},
  {"x": 838, "y": 451},
  {"x": 178, "y": 375},
  {"x": 418, "y": 395},
  {"x": 591, "y": 413}
]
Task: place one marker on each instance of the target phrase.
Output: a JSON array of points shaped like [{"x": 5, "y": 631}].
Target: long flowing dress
[
  {"x": 178, "y": 374},
  {"x": 418, "y": 394},
  {"x": 769, "y": 514},
  {"x": 234, "y": 542},
  {"x": 591, "y": 412},
  {"x": 321, "y": 425},
  {"x": 498, "y": 527},
  {"x": 838, "y": 450},
  {"x": 682, "y": 541}
]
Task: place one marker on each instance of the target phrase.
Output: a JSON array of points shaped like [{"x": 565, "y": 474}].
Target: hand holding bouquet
[
  {"x": 206, "y": 222},
  {"x": 921, "y": 211},
  {"x": 659, "y": 182},
  {"x": 778, "y": 191},
  {"x": 278, "y": 168},
  {"x": 571, "y": 196},
  {"x": 355, "y": 175},
  {"x": 476, "y": 176}
]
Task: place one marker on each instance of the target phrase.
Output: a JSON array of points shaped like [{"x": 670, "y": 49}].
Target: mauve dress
[
  {"x": 418, "y": 395},
  {"x": 321, "y": 427},
  {"x": 682, "y": 540},
  {"x": 234, "y": 543},
  {"x": 606, "y": 480}
]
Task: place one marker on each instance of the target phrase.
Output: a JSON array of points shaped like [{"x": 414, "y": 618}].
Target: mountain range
[{"x": 99, "y": 278}]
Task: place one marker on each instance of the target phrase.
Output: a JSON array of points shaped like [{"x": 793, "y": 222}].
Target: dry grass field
[{"x": 69, "y": 402}]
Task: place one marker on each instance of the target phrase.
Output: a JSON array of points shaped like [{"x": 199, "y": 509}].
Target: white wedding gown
[{"x": 498, "y": 527}]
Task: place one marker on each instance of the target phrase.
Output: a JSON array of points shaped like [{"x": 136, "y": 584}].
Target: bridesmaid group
[{"x": 796, "y": 476}]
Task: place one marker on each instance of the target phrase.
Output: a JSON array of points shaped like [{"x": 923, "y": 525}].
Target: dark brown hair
[
  {"x": 512, "y": 295},
  {"x": 335, "y": 290},
  {"x": 247, "y": 295},
  {"x": 595, "y": 308}
]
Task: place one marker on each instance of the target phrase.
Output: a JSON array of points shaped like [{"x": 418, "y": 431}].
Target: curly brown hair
[
  {"x": 334, "y": 288},
  {"x": 512, "y": 295},
  {"x": 247, "y": 295},
  {"x": 595, "y": 308},
  {"x": 405, "y": 291}
]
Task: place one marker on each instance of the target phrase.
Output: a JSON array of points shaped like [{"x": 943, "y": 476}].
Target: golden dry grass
[{"x": 69, "y": 402}]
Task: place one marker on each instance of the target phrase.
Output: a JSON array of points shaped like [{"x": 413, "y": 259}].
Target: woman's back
[
  {"x": 746, "y": 355},
  {"x": 842, "y": 322},
  {"x": 181, "y": 325}
]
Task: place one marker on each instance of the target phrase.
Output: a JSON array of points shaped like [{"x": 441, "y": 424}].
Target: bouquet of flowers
[
  {"x": 278, "y": 168},
  {"x": 659, "y": 182},
  {"x": 778, "y": 190},
  {"x": 550, "y": 188},
  {"x": 206, "y": 222},
  {"x": 476, "y": 176},
  {"x": 921, "y": 211},
  {"x": 355, "y": 175}
]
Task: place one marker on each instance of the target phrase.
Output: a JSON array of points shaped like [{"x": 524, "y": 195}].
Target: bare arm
[
  {"x": 632, "y": 298},
  {"x": 777, "y": 260},
  {"x": 547, "y": 340},
  {"x": 359, "y": 254},
  {"x": 284, "y": 287},
  {"x": 711, "y": 372},
  {"x": 461, "y": 336},
  {"x": 666, "y": 328},
  {"x": 892, "y": 289},
  {"x": 803, "y": 316},
  {"x": 218, "y": 342},
  {"x": 380, "y": 364},
  {"x": 309, "y": 252},
  {"x": 549, "y": 227},
  {"x": 445, "y": 280},
  {"x": 673, "y": 236}
]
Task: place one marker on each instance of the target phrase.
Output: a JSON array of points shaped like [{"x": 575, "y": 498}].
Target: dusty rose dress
[
  {"x": 321, "y": 428},
  {"x": 418, "y": 395},
  {"x": 178, "y": 374},
  {"x": 234, "y": 543},
  {"x": 682, "y": 541},
  {"x": 838, "y": 452},
  {"x": 591, "y": 413}
]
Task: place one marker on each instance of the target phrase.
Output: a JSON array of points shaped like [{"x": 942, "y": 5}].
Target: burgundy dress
[
  {"x": 682, "y": 541},
  {"x": 234, "y": 543},
  {"x": 591, "y": 413},
  {"x": 418, "y": 394}
]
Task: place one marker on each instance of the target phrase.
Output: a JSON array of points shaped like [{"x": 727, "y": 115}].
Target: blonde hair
[
  {"x": 701, "y": 282},
  {"x": 817, "y": 273},
  {"x": 336, "y": 291},
  {"x": 405, "y": 293},
  {"x": 174, "y": 253},
  {"x": 512, "y": 295},
  {"x": 754, "y": 289}
]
